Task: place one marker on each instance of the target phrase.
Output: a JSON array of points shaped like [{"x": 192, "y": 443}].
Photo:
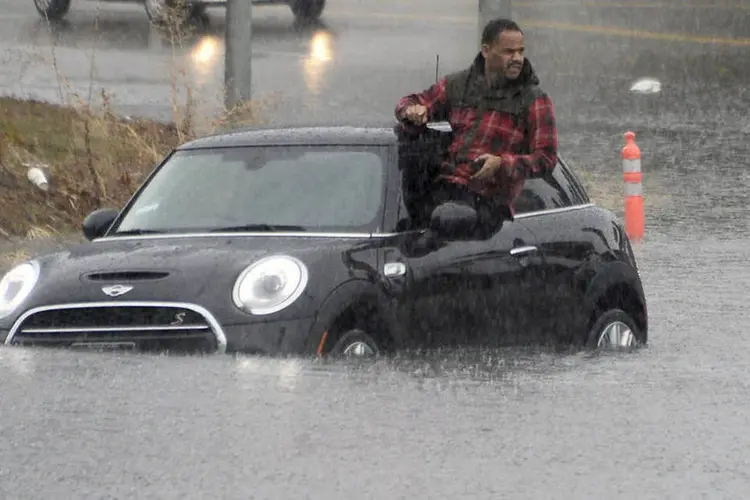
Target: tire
[
  {"x": 357, "y": 344},
  {"x": 54, "y": 10},
  {"x": 156, "y": 10},
  {"x": 307, "y": 10},
  {"x": 614, "y": 321}
]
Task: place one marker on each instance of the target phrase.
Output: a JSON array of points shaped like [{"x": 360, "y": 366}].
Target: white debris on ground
[
  {"x": 646, "y": 86},
  {"x": 39, "y": 175}
]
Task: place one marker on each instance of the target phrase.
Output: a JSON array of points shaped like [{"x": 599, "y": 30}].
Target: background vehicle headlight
[
  {"x": 16, "y": 285},
  {"x": 270, "y": 284}
]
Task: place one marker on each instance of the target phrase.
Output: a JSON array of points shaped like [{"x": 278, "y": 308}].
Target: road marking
[
  {"x": 652, "y": 35},
  {"x": 580, "y": 28},
  {"x": 626, "y": 5}
]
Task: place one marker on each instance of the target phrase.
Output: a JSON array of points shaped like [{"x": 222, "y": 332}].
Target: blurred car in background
[{"x": 303, "y": 10}]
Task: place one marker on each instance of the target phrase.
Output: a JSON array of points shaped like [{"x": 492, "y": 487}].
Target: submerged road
[{"x": 666, "y": 422}]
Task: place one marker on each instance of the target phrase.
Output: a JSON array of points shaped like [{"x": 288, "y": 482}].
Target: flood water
[{"x": 667, "y": 421}]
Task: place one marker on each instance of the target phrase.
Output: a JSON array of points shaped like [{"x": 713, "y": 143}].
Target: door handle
[{"x": 523, "y": 250}]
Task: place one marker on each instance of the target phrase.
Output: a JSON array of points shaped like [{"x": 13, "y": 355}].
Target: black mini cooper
[{"x": 294, "y": 241}]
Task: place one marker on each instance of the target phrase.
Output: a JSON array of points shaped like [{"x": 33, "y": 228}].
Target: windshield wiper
[{"x": 269, "y": 228}]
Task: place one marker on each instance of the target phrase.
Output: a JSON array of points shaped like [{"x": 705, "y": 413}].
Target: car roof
[
  {"x": 314, "y": 134},
  {"x": 372, "y": 134}
]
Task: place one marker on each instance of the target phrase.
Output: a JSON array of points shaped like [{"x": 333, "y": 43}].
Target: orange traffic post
[{"x": 631, "y": 176}]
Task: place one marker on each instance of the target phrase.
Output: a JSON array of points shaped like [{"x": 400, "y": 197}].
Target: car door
[
  {"x": 464, "y": 293},
  {"x": 554, "y": 209},
  {"x": 451, "y": 292}
]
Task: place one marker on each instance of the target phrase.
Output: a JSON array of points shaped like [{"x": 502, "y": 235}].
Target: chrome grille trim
[
  {"x": 213, "y": 324},
  {"x": 97, "y": 329}
]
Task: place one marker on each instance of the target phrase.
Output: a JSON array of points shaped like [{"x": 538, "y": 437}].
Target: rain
[{"x": 666, "y": 421}]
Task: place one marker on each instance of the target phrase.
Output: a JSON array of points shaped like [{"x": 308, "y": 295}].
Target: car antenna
[{"x": 437, "y": 65}]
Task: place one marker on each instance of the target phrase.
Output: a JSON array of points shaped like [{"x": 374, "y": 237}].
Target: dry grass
[
  {"x": 605, "y": 194},
  {"x": 96, "y": 159},
  {"x": 12, "y": 258}
]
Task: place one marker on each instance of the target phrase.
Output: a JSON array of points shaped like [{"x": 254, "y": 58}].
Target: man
[{"x": 504, "y": 124}]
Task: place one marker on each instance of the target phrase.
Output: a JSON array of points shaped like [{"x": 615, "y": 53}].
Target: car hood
[{"x": 177, "y": 269}]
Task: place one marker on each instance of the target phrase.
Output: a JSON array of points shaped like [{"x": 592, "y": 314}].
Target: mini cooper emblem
[{"x": 116, "y": 290}]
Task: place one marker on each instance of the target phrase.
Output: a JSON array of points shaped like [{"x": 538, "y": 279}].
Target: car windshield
[{"x": 275, "y": 188}]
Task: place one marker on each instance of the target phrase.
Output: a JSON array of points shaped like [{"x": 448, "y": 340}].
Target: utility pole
[
  {"x": 238, "y": 53},
  {"x": 489, "y": 10}
]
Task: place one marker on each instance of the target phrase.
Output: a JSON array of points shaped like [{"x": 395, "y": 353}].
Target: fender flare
[
  {"x": 610, "y": 274},
  {"x": 337, "y": 301}
]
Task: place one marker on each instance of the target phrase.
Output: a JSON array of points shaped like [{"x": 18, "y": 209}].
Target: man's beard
[{"x": 498, "y": 78}]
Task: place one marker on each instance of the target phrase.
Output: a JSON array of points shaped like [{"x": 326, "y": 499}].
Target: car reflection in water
[
  {"x": 317, "y": 60},
  {"x": 204, "y": 58},
  {"x": 207, "y": 56}
]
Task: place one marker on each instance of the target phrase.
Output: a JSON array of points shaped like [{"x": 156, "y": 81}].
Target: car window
[
  {"x": 571, "y": 184},
  {"x": 312, "y": 187},
  {"x": 545, "y": 193}
]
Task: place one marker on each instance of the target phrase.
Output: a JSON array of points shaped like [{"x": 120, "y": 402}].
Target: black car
[
  {"x": 303, "y": 10},
  {"x": 314, "y": 241}
]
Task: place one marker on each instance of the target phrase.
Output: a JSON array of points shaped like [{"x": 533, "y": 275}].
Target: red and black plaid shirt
[{"x": 497, "y": 134}]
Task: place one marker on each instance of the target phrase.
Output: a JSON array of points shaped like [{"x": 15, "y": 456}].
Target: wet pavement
[{"x": 668, "y": 421}]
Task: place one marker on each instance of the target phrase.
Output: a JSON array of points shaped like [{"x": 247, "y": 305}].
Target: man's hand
[
  {"x": 490, "y": 172},
  {"x": 417, "y": 114}
]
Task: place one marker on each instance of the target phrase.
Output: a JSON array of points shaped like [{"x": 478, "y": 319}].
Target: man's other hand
[
  {"x": 417, "y": 114},
  {"x": 491, "y": 172}
]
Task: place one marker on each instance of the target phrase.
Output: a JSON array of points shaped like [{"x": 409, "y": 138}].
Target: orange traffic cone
[{"x": 631, "y": 175}]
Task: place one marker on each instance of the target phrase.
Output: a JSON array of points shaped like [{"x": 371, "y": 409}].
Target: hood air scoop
[{"x": 127, "y": 276}]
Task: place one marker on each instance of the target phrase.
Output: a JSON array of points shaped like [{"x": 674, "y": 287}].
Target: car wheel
[
  {"x": 614, "y": 329},
  {"x": 156, "y": 10},
  {"x": 54, "y": 10},
  {"x": 307, "y": 10},
  {"x": 357, "y": 344}
]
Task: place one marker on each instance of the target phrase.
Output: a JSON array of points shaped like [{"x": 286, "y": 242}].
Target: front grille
[
  {"x": 142, "y": 327},
  {"x": 118, "y": 316}
]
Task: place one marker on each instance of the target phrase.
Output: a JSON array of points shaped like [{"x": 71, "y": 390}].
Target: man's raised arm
[{"x": 415, "y": 110}]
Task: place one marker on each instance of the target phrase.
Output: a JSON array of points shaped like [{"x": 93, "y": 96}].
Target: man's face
[{"x": 505, "y": 55}]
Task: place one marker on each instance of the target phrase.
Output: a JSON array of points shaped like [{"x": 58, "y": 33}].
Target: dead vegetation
[{"x": 94, "y": 160}]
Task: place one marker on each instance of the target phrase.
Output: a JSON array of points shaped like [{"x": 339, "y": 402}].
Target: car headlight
[
  {"x": 270, "y": 284},
  {"x": 16, "y": 285}
]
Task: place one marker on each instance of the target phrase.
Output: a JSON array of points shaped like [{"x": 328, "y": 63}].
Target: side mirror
[
  {"x": 453, "y": 220},
  {"x": 97, "y": 222}
]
